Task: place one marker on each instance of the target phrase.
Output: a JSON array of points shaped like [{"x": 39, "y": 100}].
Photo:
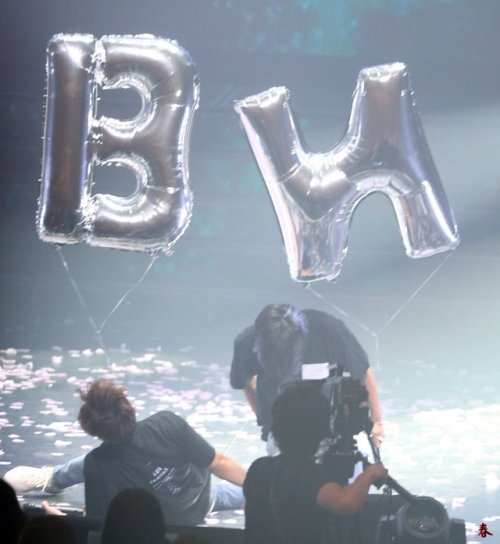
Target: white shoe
[{"x": 23, "y": 479}]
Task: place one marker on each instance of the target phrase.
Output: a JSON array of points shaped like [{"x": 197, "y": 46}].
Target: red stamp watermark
[{"x": 483, "y": 531}]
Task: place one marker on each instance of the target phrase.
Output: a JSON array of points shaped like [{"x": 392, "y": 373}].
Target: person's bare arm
[
  {"x": 375, "y": 411},
  {"x": 226, "y": 468},
  {"x": 249, "y": 391},
  {"x": 349, "y": 498}
]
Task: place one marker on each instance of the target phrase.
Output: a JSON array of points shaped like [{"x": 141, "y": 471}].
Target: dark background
[{"x": 231, "y": 262}]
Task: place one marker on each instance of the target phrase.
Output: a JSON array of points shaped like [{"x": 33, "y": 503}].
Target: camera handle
[{"x": 391, "y": 482}]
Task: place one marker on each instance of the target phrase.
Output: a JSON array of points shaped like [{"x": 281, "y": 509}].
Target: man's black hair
[
  {"x": 300, "y": 419},
  {"x": 280, "y": 333}
]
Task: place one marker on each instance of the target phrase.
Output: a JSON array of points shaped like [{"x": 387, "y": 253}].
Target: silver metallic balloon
[
  {"x": 314, "y": 195},
  {"x": 154, "y": 144},
  {"x": 65, "y": 178}
]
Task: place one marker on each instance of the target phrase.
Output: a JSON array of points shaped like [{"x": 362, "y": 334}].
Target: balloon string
[
  {"x": 127, "y": 293},
  {"x": 82, "y": 302},
  {"x": 343, "y": 313},
  {"x": 423, "y": 284},
  {"x": 357, "y": 322},
  {"x": 361, "y": 325},
  {"x": 229, "y": 446},
  {"x": 98, "y": 330}
]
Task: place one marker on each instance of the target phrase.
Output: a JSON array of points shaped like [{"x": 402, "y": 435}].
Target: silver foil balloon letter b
[
  {"x": 314, "y": 195},
  {"x": 153, "y": 144}
]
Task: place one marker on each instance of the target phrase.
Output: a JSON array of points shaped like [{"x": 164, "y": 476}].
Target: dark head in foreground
[
  {"x": 134, "y": 517},
  {"x": 300, "y": 419},
  {"x": 12, "y": 518},
  {"x": 47, "y": 530}
]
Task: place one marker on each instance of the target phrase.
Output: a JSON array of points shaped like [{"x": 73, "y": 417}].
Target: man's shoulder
[
  {"x": 164, "y": 419},
  {"x": 319, "y": 315},
  {"x": 244, "y": 362},
  {"x": 264, "y": 461},
  {"x": 162, "y": 415},
  {"x": 246, "y": 336},
  {"x": 318, "y": 320},
  {"x": 264, "y": 467},
  {"x": 260, "y": 468},
  {"x": 95, "y": 458}
]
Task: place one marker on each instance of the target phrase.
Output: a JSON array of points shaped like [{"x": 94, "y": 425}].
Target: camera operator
[
  {"x": 290, "y": 497},
  {"x": 283, "y": 338}
]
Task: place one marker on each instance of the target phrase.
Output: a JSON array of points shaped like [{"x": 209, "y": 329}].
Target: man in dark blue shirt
[{"x": 283, "y": 338}]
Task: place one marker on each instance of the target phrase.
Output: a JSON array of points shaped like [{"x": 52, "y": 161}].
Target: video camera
[
  {"x": 349, "y": 407},
  {"x": 349, "y": 416},
  {"x": 421, "y": 519}
]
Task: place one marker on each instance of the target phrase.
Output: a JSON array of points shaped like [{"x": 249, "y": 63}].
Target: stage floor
[{"x": 444, "y": 444}]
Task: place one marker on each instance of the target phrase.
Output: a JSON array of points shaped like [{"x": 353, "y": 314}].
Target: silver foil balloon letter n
[{"x": 383, "y": 149}]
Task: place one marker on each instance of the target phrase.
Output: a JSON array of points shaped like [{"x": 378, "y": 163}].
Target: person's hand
[
  {"x": 378, "y": 433},
  {"x": 378, "y": 474},
  {"x": 51, "y": 510}
]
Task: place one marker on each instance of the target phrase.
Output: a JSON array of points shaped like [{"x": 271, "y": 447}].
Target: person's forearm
[
  {"x": 226, "y": 468},
  {"x": 344, "y": 499},
  {"x": 373, "y": 401},
  {"x": 355, "y": 494}
]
